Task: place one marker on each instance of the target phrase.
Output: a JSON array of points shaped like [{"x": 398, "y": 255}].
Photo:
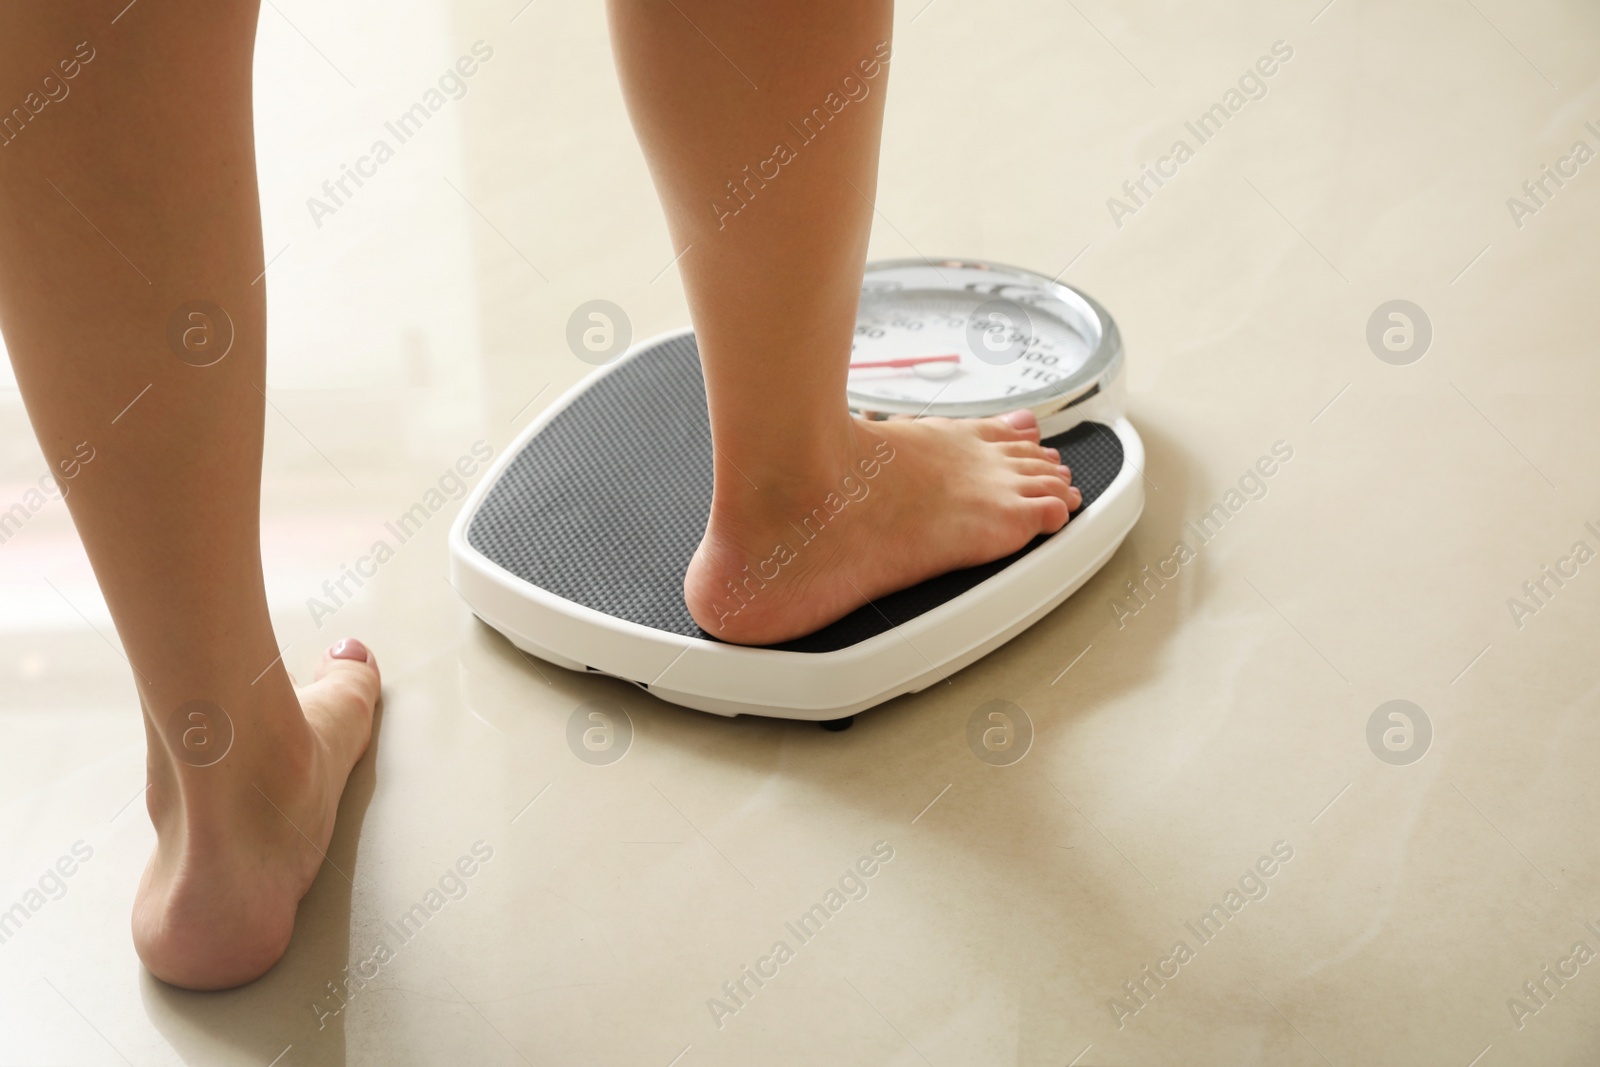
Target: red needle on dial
[{"x": 909, "y": 361}]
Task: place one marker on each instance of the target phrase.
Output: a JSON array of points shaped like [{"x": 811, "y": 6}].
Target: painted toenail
[
  {"x": 350, "y": 648},
  {"x": 1020, "y": 419}
]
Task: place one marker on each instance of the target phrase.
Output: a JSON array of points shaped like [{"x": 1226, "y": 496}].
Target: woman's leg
[
  {"x": 131, "y": 192},
  {"x": 761, "y": 125}
]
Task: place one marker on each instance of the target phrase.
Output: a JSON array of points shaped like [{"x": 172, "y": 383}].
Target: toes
[
  {"x": 1049, "y": 513},
  {"x": 1038, "y": 467},
  {"x": 1013, "y": 426},
  {"x": 1051, "y": 484},
  {"x": 353, "y": 665},
  {"x": 1029, "y": 450}
]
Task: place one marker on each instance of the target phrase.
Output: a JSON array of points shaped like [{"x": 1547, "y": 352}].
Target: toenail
[
  {"x": 350, "y": 648},
  {"x": 1076, "y": 494},
  {"x": 1020, "y": 419},
  {"x": 1065, "y": 472},
  {"x": 1053, "y": 454}
]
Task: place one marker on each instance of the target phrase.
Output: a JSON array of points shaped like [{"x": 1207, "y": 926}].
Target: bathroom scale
[{"x": 575, "y": 543}]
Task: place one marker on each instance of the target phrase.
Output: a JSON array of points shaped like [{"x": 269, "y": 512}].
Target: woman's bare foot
[
  {"x": 239, "y": 841},
  {"x": 772, "y": 272},
  {"x": 907, "y": 500}
]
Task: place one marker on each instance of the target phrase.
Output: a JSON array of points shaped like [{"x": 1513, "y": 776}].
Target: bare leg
[
  {"x": 773, "y": 271},
  {"x": 129, "y": 194}
]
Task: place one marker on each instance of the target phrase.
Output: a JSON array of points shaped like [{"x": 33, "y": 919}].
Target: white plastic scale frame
[{"x": 730, "y": 680}]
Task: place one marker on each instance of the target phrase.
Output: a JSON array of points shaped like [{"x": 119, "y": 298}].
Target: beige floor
[{"x": 1227, "y": 717}]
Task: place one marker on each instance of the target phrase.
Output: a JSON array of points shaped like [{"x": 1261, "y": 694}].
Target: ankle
[
  {"x": 770, "y": 489},
  {"x": 780, "y": 454},
  {"x": 211, "y": 767}
]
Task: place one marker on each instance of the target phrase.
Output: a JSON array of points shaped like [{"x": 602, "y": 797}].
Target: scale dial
[{"x": 971, "y": 339}]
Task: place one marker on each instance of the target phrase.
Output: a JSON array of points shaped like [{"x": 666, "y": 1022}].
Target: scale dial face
[{"x": 974, "y": 339}]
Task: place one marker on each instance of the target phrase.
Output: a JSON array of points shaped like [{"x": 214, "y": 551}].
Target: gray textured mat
[{"x": 605, "y": 506}]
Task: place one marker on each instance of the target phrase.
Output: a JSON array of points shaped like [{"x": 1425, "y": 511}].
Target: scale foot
[{"x": 835, "y": 725}]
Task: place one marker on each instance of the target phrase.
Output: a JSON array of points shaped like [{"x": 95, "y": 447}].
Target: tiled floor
[{"x": 1220, "y": 723}]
